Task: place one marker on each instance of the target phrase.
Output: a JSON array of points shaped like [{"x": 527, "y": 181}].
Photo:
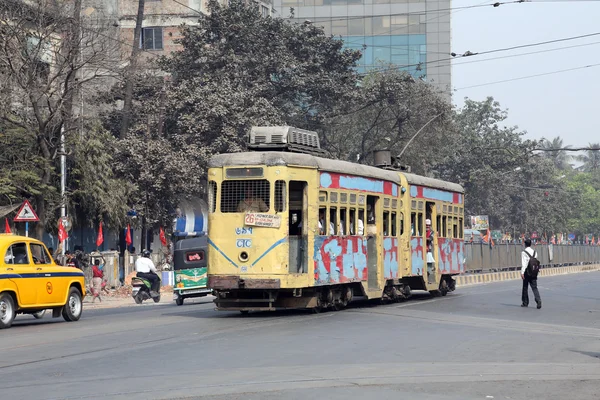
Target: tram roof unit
[{"x": 272, "y": 159}]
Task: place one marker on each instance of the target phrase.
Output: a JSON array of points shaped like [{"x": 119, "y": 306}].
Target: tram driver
[{"x": 250, "y": 203}]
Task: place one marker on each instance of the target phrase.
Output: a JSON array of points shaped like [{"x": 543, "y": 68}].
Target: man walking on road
[{"x": 529, "y": 275}]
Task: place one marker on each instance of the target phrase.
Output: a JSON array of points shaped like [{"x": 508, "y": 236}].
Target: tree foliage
[
  {"x": 392, "y": 107},
  {"x": 49, "y": 54},
  {"x": 239, "y": 69}
]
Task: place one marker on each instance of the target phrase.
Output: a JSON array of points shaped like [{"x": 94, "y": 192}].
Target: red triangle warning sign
[{"x": 26, "y": 213}]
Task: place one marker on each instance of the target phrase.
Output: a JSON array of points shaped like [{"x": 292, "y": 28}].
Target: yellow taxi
[{"x": 31, "y": 282}]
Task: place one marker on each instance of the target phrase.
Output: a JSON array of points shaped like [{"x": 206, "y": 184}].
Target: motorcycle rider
[{"x": 145, "y": 269}]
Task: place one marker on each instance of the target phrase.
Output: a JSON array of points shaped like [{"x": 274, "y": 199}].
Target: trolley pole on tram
[{"x": 419, "y": 131}]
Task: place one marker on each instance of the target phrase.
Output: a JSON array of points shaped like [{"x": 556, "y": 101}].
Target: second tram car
[{"x": 290, "y": 229}]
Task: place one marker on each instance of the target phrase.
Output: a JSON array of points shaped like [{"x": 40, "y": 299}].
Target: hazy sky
[{"x": 564, "y": 104}]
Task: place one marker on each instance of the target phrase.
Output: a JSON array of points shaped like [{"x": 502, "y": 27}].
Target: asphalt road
[{"x": 475, "y": 343}]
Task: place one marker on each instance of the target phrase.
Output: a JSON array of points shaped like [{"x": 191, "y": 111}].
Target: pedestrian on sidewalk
[
  {"x": 97, "y": 279},
  {"x": 529, "y": 275}
]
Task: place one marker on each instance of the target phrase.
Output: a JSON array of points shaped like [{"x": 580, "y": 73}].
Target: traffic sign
[{"x": 26, "y": 213}]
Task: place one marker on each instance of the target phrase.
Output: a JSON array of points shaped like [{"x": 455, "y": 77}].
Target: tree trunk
[{"x": 128, "y": 103}]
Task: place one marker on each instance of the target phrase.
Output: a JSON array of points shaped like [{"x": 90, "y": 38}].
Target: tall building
[
  {"x": 413, "y": 35},
  {"x": 163, "y": 19}
]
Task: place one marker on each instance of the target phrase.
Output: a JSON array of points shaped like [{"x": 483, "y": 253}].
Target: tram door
[
  {"x": 298, "y": 227},
  {"x": 374, "y": 242},
  {"x": 431, "y": 242}
]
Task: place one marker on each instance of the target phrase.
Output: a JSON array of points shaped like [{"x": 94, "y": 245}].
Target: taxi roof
[{"x": 11, "y": 237}]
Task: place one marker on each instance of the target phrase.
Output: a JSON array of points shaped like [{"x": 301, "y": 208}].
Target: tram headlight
[{"x": 244, "y": 256}]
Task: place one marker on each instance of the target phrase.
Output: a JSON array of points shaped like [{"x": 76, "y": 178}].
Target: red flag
[
  {"x": 163, "y": 238},
  {"x": 100, "y": 238},
  {"x": 62, "y": 233},
  {"x": 128, "y": 240},
  {"x": 6, "y": 226}
]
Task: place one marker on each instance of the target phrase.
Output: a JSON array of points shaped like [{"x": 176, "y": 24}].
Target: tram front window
[{"x": 245, "y": 196}]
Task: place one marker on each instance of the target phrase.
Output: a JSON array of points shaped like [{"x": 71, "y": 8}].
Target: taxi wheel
[
  {"x": 7, "y": 310},
  {"x": 72, "y": 310}
]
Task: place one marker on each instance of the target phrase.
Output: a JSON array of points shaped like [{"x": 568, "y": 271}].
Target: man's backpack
[{"x": 533, "y": 267}]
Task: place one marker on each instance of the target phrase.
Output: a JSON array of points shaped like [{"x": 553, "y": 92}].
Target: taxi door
[
  {"x": 18, "y": 262},
  {"x": 50, "y": 288}
]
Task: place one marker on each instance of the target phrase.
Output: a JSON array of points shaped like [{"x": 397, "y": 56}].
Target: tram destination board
[{"x": 264, "y": 220}]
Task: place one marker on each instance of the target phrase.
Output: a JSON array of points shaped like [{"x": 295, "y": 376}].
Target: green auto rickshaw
[{"x": 190, "y": 269}]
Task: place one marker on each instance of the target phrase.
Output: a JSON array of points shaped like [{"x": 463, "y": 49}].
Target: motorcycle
[{"x": 141, "y": 290}]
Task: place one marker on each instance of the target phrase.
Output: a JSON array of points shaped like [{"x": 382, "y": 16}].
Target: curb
[{"x": 476, "y": 279}]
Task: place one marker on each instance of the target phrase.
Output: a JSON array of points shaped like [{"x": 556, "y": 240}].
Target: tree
[
  {"x": 131, "y": 71},
  {"x": 239, "y": 69},
  {"x": 590, "y": 158},
  {"x": 486, "y": 158},
  {"x": 162, "y": 174},
  {"x": 560, "y": 158},
  {"x": 391, "y": 107},
  {"x": 49, "y": 53}
]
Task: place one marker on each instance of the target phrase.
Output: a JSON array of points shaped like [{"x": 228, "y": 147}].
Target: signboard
[
  {"x": 264, "y": 220},
  {"x": 571, "y": 236},
  {"x": 26, "y": 213},
  {"x": 480, "y": 222},
  {"x": 497, "y": 235}
]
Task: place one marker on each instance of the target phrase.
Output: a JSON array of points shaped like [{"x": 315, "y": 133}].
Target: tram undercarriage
[{"x": 248, "y": 295}]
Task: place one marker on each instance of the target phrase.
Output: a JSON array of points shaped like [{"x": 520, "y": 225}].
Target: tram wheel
[{"x": 244, "y": 312}]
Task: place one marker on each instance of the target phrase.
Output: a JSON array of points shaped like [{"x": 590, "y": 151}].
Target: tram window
[
  {"x": 394, "y": 224},
  {"x": 352, "y": 198},
  {"x": 460, "y": 228},
  {"x": 333, "y": 197},
  {"x": 413, "y": 221},
  {"x": 245, "y": 196},
  {"x": 280, "y": 196},
  {"x": 386, "y": 223},
  {"x": 420, "y": 224},
  {"x": 343, "y": 230},
  {"x": 438, "y": 222},
  {"x": 386, "y": 203},
  {"x": 322, "y": 220},
  {"x": 394, "y": 204},
  {"x": 332, "y": 221},
  {"x": 442, "y": 226},
  {"x": 371, "y": 219},
  {"x": 360, "y": 230},
  {"x": 343, "y": 198},
  {"x": 322, "y": 197},
  {"x": 361, "y": 199},
  {"x": 455, "y": 228},
  {"x": 401, "y": 217},
  {"x": 212, "y": 196},
  {"x": 352, "y": 221}
]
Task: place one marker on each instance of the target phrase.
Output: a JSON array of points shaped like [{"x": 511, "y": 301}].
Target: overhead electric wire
[
  {"x": 471, "y": 54},
  {"x": 425, "y": 12},
  {"x": 528, "y": 77},
  {"x": 514, "y": 55}
]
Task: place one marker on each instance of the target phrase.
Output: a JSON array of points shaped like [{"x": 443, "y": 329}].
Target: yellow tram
[{"x": 291, "y": 229}]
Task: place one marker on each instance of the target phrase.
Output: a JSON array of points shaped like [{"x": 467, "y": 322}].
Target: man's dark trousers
[{"x": 527, "y": 281}]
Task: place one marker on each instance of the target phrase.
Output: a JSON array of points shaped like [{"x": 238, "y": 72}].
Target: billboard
[{"x": 480, "y": 222}]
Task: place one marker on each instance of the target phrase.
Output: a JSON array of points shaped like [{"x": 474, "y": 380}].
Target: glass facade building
[{"x": 413, "y": 35}]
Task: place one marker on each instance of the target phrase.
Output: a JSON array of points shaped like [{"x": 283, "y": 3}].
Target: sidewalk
[
  {"x": 476, "y": 279},
  {"x": 122, "y": 300}
]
